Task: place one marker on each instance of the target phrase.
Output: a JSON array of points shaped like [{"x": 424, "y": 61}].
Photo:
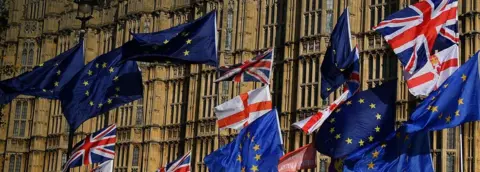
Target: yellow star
[
  {"x": 59, "y": 72},
  {"x": 377, "y": 129},
  {"x": 189, "y": 41},
  {"x": 44, "y": 90},
  {"x": 460, "y": 101},
  {"x": 406, "y": 137},
  {"x": 56, "y": 64},
  {"x": 448, "y": 119},
  {"x": 371, "y": 165},
  {"x": 370, "y": 138},
  {"x": 185, "y": 34},
  {"x": 429, "y": 107},
  {"x": 349, "y": 102},
  {"x": 349, "y": 141},
  {"x": 361, "y": 101},
  {"x": 254, "y": 168},
  {"x": 109, "y": 101},
  {"x": 248, "y": 135},
  {"x": 257, "y": 157},
  {"x": 111, "y": 70},
  {"x": 256, "y": 147},
  {"x": 97, "y": 65},
  {"x": 41, "y": 64},
  {"x": 118, "y": 88},
  {"x": 104, "y": 65},
  {"x": 165, "y": 42},
  {"x": 434, "y": 108},
  {"x": 457, "y": 113},
  {"x": 433, "y": 97},
  {"x": 87, "y": 93},
  {"x": 464, "y": 77},
  {"x": 384, "y": 145},
  {"x": 239, "y": 158},
  {"x": 253, "y": 138},
  {"x": 186, "y": 52},
  {"x": 328, "y": 89},
  {"x": 91, "y": 103},
  {"x": 332, "y": 129},
  {"x": 338, "y": 110},
  {"x": 116, "y": 78},
  {"x": 379, "y": 117},
  {"x": 100, "y": 105},
  {"x": 116, "y": 95},
  {"x": 375, "y": 154},
  {"x": 332, "y": 120},
  {"x": 90, "y": 73},
  {"x": 56, "y": 84},
  {"x": 338, "y": 136},
  {"x": 398, "y": 134},
  {"x": 372, "y": 106},
  {"x": 361, "y": 142},
  {"x": 445, "y": 86},
  {"x": 85, "y": 83}
]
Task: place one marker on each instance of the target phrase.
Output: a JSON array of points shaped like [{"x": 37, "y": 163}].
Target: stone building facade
[{"x": 178, "y": 100}]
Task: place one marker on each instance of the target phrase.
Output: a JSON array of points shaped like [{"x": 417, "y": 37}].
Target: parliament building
[{"x": 176, "y": 113}]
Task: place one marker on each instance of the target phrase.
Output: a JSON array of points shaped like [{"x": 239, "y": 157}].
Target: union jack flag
[
  {"x": 257, "y": 69},
  {"x": 416, "y": 32},
  {"x": 180, "y": 165},
  {"x": 95, "y": 148}
]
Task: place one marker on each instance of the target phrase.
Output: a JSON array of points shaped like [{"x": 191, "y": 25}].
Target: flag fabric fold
[
  {"x": 364, "y": 118},
  {"x": 337, "y": 63},
  {"x": 398, "y": 152},
  {"x": 103, "y": 84},
  {"x": 106, "y": 166},
  {"x": 95, "y": 148},
  {"x": 453, "y": 103},
  {"x": 257, "y": 69},
  {"x": 180, "y": 165},
  {"x": 424, "y": 36},
  {"x": 190, "y": 43},
  {"x": 352, "y": 85},
  {"x": 258, "y": 147},
  {"x": 47, "y": 79},
  {"x": 244, "y": 109},
  {"x": 299, "y": 159}
]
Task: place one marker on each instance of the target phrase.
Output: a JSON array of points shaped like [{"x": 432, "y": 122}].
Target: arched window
[
  {"x": 30, "y": 54},
  {"x": 135, "y": 156},
  {"x": 24, "y": 57},
  {"x": 146, "y": 26},
  {"x": 228, "y": 42},
  {"x": 15, "y": 163}
]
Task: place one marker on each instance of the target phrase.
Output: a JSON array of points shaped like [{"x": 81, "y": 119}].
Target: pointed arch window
[
  {"x": 136, "y": 153},
  {"x": 228, "y": 42}
]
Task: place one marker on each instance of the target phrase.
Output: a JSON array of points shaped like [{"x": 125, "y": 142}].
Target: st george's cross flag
[
  {"x": 299, "y": 159},
  {"x": 95, "y": 148},
  {"x": 257, "y": 69},
  {"x": 180, "y": 165},
  {"x": 312, "y": 123},
  {"x": 244, "y": 109},
  {"x": 416, "y": 33}
]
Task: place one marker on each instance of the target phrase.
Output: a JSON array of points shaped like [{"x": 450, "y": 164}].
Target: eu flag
[
  {"x": 191, "y": 43},
  {"x": 103, "y": 84},
  {"x": 398, "y": 152},
  {"x": 258, "y": 147},
  {"x": 452, "y": 104},
  {"x": 45, "y": 80},
  {"x": 337, "y": 63},
  {"x": 361, "y": 120}
]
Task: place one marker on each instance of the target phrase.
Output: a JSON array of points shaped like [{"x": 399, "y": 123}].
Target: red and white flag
[
  {"x": 439, "y": 67},
  {"x": 302, "y": 158},
  {"x": 106, "y": 166},
  {"x": 312, "y": 123},
  {"x": 244, "y": 109}
]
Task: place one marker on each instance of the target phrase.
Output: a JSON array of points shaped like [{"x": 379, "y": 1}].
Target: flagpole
[{"x": 461, "y": 149}]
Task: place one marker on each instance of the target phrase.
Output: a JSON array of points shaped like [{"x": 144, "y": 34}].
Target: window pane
[
  {"x": 329, "y": 24},
  {"x": 329, "y": 4},
  {"x": 139, "y": 120},
  {"x": 11, "y": 165},
  {"x": 451, "y": 138},
  {"x": 22, "y": 128},
  {"x": 450, "y": 163},
  {"x": 135, "y": 156},
  {"x": 323, "y": 165},
  {"x": 18, "y": 108},
  {"x": 307, "y": 21},
  {"x": 15, "y": 128},
  {"x": 18, "y": 163},
  {"x": 24, "y": 110}
]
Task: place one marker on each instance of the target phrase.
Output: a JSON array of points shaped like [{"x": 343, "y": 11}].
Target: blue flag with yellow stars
[
  {"x": 45, "y": 80},
  {"x": 337, "y": 63},
  {"x": 103, "y": 84},
  {"x": 360, "y": 121},
  {"x": 258, "y": 147},
  {"x": 452, "y": 104},
  {"x": 191, "y": 43},
  {"x": 398, "y": 152}
]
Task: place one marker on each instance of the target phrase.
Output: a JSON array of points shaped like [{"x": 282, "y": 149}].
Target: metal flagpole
[{"x": 461, "y": 149}]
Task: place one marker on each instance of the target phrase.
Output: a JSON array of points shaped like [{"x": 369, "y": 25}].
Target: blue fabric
[
  {"x": 364, "y": 118},
  {"x": 337, "y": 63},
  {"x": 452, "y": 104},
  {"x": 257, "y": 147},
  {"x": 398, "y": 152},
  {"x": 191, "y": 43},
  {"x": 103, "y": 84},
  {"x": 45, "y": 80}
]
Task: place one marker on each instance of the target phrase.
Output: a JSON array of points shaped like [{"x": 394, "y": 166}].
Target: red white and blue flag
[
  {"x": 416, "y": 35},
  {"x": 95, "y": 148},
  {"x": 312, "y": 123},
  {"x": 257, "y": 69},
  {"x": 180, "y": 165}
]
